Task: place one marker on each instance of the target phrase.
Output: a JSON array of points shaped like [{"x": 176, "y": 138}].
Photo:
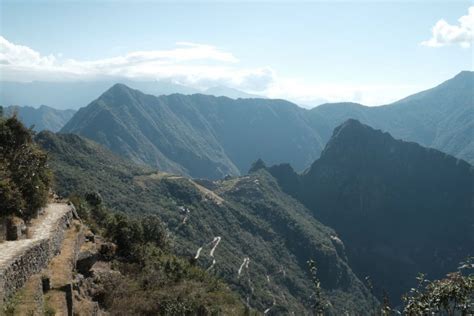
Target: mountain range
[
  {"x": 371, "y": 207},
  {"x": 76, "y": 94},
  {"x": 41, "y": 118},
  {"x": 210, "y": 137},
  {"x": 264, "y": 237},
  {"x": 400, "y": 208}
]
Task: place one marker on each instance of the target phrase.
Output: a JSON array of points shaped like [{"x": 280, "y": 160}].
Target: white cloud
[
  {"x": 195, "y": 65},
  {"x": 188, "y": 62},
  {"x": 312, "y": 94},
  {"x": 444, "y": 33}
]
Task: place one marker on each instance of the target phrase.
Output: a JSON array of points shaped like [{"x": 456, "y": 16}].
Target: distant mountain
[
  {"x": 441, "y": 117},
  {"x": 197, "y": 135},
  {"x": 42, "y": 118},
  {"x": 400, "y": 208},
  {"x": 223, "y": 91},
  {"x": 266, "y": 237},
  {"x": 206, "y": 136},
  {"x": 76, "y": 94}
]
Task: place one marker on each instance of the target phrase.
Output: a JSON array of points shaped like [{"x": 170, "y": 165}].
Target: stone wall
[{"x": 33, "y": 258}]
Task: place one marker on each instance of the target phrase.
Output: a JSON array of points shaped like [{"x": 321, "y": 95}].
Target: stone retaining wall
[{"x": 33, "y": 258}]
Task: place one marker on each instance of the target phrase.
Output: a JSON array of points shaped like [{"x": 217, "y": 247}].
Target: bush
[
  {"x": 453, "y": 295},
  {"x": 24, "y": 175}
]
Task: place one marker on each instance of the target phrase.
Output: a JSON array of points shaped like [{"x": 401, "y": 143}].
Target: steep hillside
[
  {"x": 261, "y": 237},
  {"x": 206, "y": 136},
  {"x": 197, "y": 135},
  {"x": 441, "y": 117},
  {"x": 146, "y": 129},
  {"x": 400, "y": 208},
  {"x": 42, "y": 118}
]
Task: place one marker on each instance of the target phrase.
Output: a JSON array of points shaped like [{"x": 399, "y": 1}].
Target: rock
[
  {"x": 16, "y": 228},
  {"x": 85, "y": 261},
  {"x": 89, "y": 236},
  {"x": 74, "y": 211}
]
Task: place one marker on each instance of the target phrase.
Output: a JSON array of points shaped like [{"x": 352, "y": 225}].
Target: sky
[{"x": 308, "y": 52}]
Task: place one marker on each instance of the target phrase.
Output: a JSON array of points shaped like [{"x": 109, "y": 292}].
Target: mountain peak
[
  {"x": 351, "y": 127},
  {"x": 118, "y": 88},
  {"x": 353, "y": 139},
  {"x": 465, "y": 74},
  {"x": 257, "y": 165},
  {"x": 120, "y": 93},
  {"x": 464, "y": 79}
]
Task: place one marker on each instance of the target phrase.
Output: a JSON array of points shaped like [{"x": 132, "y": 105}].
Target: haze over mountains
[
  {"x": 75, "y": 94},
  {"x": 206, "y": 136},
  {"x": 361, "y": 202},
  {"x": 41, "y": 118}
]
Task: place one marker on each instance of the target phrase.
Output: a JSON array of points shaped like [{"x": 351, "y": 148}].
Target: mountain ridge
[
  {"x": 210, "y": 137},
  {"x": 40, "y": 118},
  {"x": 371, "y": 187},
  {"x": 251, "y": 216}
]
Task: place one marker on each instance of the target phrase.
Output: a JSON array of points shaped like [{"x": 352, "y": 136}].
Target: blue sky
[{"x": 369, "y": 52}]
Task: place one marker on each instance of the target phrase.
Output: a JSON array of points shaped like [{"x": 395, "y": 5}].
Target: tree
[
  {"x": 453, "y": 295},
  {"x": 24, "y": 175},
  {"x": 320, "y": 304}
]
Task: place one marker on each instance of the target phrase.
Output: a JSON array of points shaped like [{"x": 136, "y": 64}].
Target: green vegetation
[
  {"x": 253, "y": 217},
  {"x": 453, "y": 295},
  {"x": 405, "y": 207},
  {"x": 24, "y": 174},
  {"x": 320, "y": 304},
  {"x": 152, "y": 280},
  {"x": 209, "y": 137}
]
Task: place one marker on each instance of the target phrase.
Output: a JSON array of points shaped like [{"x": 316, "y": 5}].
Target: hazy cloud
[
  {"x": 444, "y": 33},
  {"x": 188, "y": 63},
  {"x": 195, "y": 65},
  {"x": 311, "y": 94}
]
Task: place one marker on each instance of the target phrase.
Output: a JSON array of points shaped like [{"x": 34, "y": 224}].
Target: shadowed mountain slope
[
  {"x": 197, "y": 135},
  {"x": 252, "y": 216},
  {"x": 206, "y": 136},
  {"x": 400, "y": 208}
]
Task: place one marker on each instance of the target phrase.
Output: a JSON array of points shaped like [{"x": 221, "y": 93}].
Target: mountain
[
  {"x": 41, "y": 118},
  {"x": 400, "y": 208},
  {"x": 262, "y": 238},
  {"x": 207, "y": 136},
  {"x": 75, "y": 94},
  {"x": 197, "y": 135},
  {"x": 441, "y": 117}
]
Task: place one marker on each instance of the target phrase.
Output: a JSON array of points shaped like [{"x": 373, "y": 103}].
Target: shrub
[
  {"x": 24, "y": 175},
  {"x": 453, "y": 295}
]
